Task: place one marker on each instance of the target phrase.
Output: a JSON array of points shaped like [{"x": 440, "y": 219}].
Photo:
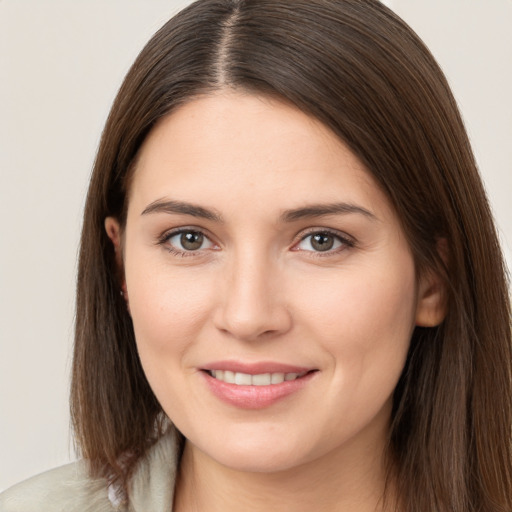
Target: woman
[{"x": 290, "y": 291}]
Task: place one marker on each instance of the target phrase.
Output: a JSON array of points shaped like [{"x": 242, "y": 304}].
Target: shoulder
[
  {"x": 64, "y": 489},
  {"x": 71, "y": 489}
]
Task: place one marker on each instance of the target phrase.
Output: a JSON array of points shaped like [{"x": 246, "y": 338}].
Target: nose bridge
[{"x": 253, "y": 303}]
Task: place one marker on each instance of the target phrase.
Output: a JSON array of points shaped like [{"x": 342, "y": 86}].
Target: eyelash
[
  {"x": 344, "y": 240},
  {"x": 164, "y": 241}
]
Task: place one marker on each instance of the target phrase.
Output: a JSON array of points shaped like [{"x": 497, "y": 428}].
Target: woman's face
[{"x": 272, "y": 291}]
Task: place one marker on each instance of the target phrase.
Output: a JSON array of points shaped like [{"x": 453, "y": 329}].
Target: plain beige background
[{"x": 61, "y": 63}]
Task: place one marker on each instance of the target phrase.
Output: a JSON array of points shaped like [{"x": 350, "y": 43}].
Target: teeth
[
  {"x": 229, "y": 377},
  {"x": 263, "y": 379},
  {"x": 277, "y": 378},
  {"x": 245, "y": 379}
]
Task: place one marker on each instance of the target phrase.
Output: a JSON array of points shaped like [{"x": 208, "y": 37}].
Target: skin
[{"x": 258, "y": 290}]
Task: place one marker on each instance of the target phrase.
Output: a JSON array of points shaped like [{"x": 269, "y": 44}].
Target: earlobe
[{"x": 432, "y": 300}]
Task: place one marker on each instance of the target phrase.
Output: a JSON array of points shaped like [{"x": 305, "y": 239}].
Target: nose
[{"x": 252, "y": 304}]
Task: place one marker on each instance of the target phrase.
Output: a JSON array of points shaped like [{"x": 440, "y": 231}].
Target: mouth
[
  {"x": 255, "y": 386},
  {"x": 260, "y": 379}
]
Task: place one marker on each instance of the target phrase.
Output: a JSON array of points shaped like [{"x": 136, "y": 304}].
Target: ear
[
  {"x": 113, "y": 229},
  {"x": 432, "y": 293}
]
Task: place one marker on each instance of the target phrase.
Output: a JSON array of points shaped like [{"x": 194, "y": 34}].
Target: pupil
[
  {"x": 322, "y": 242},
  {"x": 191, "y": 241}
]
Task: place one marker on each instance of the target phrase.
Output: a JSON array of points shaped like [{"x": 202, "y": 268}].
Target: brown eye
[
  {"x": 322, "y": 241},
  {"x": 187, "y": 241},
  {"x": 191, "y": 240}
]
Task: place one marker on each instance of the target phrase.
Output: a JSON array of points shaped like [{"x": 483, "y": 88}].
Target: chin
[
  {"x": 258, "y": 460},
  {"x": 252, "y": 452}
]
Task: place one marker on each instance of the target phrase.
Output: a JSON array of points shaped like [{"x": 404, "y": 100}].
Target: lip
[{"x": 255, "y": 397}]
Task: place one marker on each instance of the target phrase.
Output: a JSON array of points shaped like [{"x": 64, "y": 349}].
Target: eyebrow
[
  {"x": 161, "y": 206},
  {"x": 310, "y": 211},
  {"x": 322, "y": 210}
]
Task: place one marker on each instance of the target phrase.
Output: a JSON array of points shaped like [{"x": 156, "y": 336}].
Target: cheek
[
  {"x": 365, "y": 323},
  {"x": 167, "y": 308},
  {"x": 370, "y": 300},
  {"x": 168, "y": 312}
]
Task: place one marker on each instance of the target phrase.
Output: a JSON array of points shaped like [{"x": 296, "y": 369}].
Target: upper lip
[{"x": 256, "y": 368}]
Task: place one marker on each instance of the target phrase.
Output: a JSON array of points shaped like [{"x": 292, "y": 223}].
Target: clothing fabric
[{"x": 70, "y": 489}]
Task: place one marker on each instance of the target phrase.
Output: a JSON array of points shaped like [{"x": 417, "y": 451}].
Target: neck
[{"x": 337, "y": 482}]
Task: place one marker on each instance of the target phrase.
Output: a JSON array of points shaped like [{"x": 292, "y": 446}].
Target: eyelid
[
  {"x": 164, "y": 238},
  {"x": 346, "y": 240}
]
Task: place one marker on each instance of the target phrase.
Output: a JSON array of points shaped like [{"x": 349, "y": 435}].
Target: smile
[
  {"x": 255, "y": 386},
  {"x": 261, "y": 379}
]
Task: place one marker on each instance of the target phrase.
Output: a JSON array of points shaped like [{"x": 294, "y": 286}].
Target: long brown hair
[{"x": 359, "y": 69}]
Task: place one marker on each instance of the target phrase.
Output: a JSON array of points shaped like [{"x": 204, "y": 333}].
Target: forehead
[{"x": 232, "y": 150}]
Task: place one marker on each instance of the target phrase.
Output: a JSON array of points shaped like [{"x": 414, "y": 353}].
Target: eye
[
  {"x": 323, "y": 241},
  {"x": 186, "y": 241}
]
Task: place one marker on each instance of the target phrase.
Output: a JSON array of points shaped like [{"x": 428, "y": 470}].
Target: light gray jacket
[{"x": 69, "y": 489}]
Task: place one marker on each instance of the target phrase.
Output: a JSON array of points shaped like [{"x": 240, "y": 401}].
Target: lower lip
[{"x": 254, "y": 397}]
